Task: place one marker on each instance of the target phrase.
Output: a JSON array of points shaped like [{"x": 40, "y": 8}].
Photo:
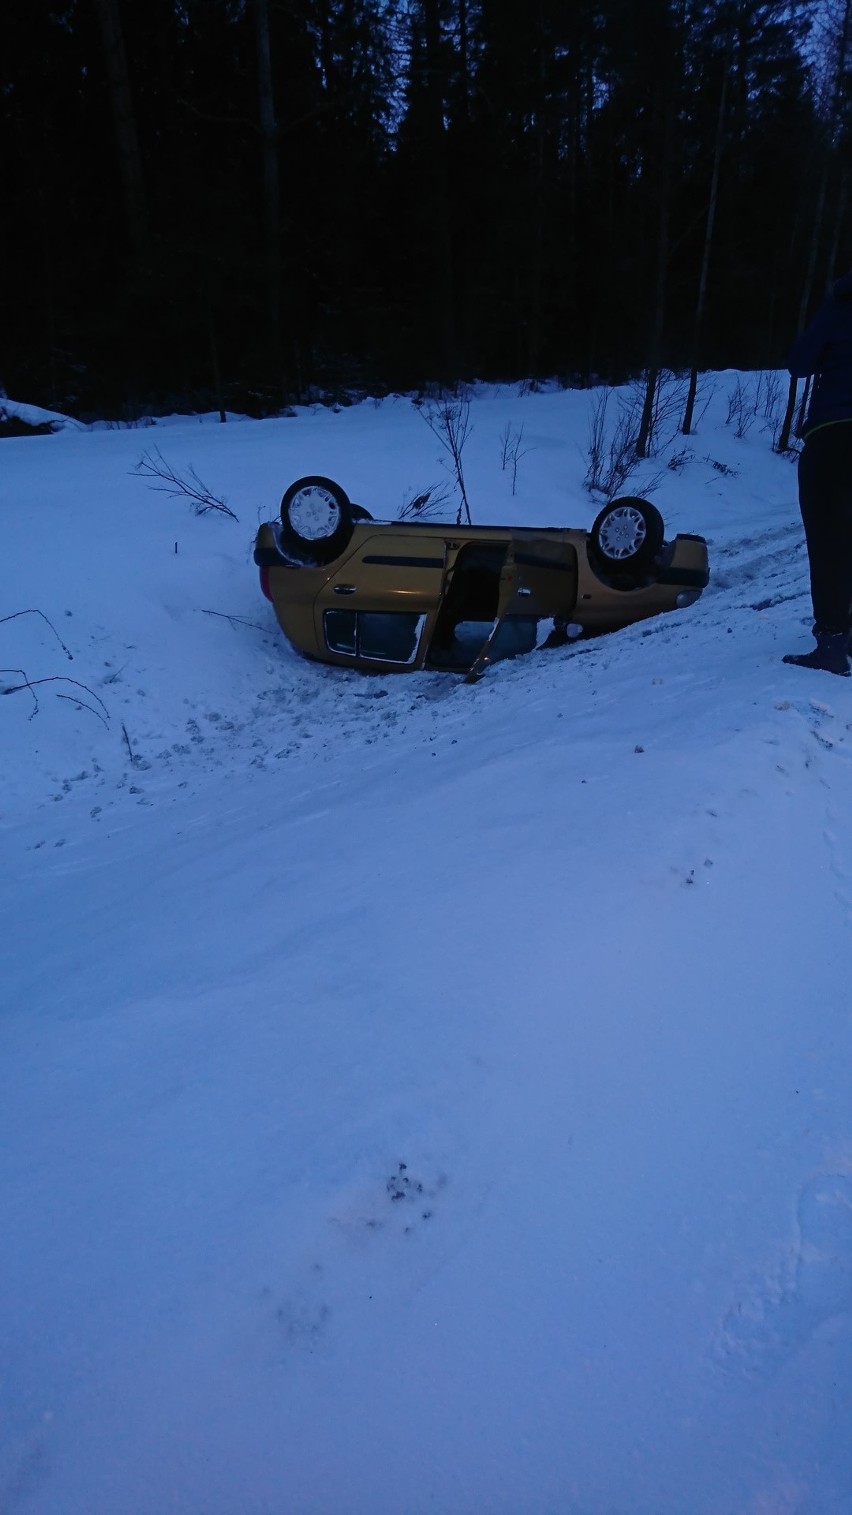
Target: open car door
[
  {"x": 507, "y": 596},
  {"x": 496, "y": 597},
  {"x": 537, "y": 582}
]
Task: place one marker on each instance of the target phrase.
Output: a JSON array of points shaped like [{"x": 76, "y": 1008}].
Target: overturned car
[{"x": 393, "y": 596}]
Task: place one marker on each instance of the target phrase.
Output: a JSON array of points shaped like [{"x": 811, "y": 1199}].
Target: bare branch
[
  {"x": 596, "y": 442},
  {"x": 152, "y": 465},
  {"x": 428, "y": 505},
  {"x": 511, "y": 451},
  {"x": 742, "y": 408},
  {"x": 324, "y": 109},
  {"x": 449, "y": 421},
  {"x": 612, "y": 462},
  {"x": 203, "y": 115}
]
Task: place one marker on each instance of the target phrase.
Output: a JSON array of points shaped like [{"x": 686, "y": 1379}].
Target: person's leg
[{"x": 825, "y": 497}]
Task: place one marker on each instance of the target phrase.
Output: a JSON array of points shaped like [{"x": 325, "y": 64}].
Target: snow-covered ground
[{"x": 417, "y": 1097}]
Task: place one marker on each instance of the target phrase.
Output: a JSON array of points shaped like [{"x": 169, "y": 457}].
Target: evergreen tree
[{"x": 236, "y": 202}]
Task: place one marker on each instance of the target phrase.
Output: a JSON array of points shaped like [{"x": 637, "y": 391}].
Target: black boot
[{"x": 831, "y": 654}]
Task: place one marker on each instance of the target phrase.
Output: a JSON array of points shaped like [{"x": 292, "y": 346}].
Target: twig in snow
[
  {"x": 26, "y": 685},
  {"x": 81, "y": 705},
  {"x": 237, "y": 620},
  {"x": 17, "y": 613},
  {"x": 52, "y": 678}
]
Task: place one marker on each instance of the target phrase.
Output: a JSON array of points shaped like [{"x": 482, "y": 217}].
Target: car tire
[
  {"x": 316, "y": 520},
  {"x": 359, "y": 513},
  {"x": 628, "y": 534}
]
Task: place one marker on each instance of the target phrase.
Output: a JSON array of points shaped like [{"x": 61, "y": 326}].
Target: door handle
[{"x": 344, "y": 589}]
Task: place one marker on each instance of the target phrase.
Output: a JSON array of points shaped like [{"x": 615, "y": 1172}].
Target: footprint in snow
[
  {"x": 405, "y": 1202},
  {"x": 302, "y": 1321},
  {"x": 398, "y": 1207}
]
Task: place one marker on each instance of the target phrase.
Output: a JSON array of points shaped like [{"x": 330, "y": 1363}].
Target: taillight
[{"x": 264, "y": 583}]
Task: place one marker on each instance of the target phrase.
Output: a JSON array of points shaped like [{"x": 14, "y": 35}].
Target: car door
[
  {"x": 373, "y": 606},
  {"x": 538, "y": 581},
  {"x": 475, "y": 573}
]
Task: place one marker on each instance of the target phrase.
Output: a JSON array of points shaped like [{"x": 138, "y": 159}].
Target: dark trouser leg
[{"x": 825, "y": 497}]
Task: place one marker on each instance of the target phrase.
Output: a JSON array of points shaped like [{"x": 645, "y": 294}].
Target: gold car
[{"x": 392, "y": 596}]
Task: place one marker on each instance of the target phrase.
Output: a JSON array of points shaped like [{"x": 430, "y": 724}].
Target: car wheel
[
  {"x": 628, "y": 533},
  {"x": 316, "y": 520}
]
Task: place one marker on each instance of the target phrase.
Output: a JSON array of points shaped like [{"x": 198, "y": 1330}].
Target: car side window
[{"x": 384, "y": 638}]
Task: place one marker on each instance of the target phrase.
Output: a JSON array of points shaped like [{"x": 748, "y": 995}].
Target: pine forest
[{"x": 247, "y": 204}]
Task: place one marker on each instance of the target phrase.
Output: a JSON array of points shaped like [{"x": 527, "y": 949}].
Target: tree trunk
[
  {"x": 443, "y": 285},
  {"x": 668, "y": 87},
  {"x": 816, "y": 230},
  {"x": 644, "y": 439},
  {"x": 464, "y": 61},
  {"x": 214, "y": 364},
  {"x": 271, "y": 194},
  {"x": 537, "y": 230},
  {"x": 686, "y": 427},
  {"x": 126, "y": 136}
]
